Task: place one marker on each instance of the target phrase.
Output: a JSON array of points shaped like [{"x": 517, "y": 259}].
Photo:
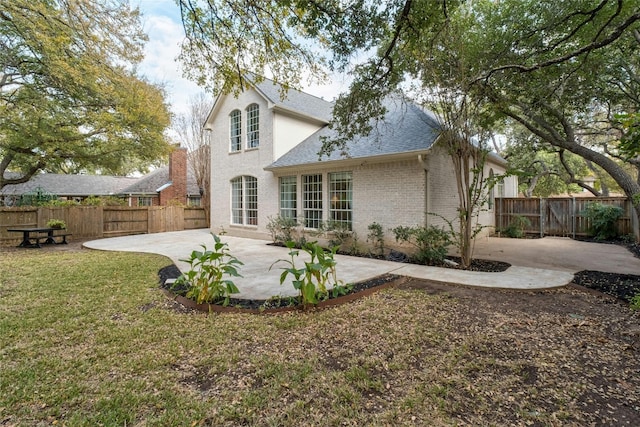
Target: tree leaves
[{"x": 70, "y": 99}]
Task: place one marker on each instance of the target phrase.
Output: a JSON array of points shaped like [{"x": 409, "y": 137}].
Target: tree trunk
[{"x": 547, "y": 131}]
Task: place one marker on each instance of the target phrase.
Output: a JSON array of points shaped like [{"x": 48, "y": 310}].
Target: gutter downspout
[{"x": 427, "y": 205}]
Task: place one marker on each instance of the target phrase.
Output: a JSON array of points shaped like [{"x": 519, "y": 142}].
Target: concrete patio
[{"x": 536, "y": 263}]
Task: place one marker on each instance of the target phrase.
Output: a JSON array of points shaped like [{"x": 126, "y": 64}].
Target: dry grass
[{"x": 88, "y": 339}]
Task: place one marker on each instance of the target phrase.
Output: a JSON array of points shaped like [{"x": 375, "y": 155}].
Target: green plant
[
  {"x": 516, "y": 227},
  {"x": 205, "y": 278},
  {"x": 341, "y": 290},
  {"x": 376, "y": 237},
  {"x": 354, "y": 247},
  {"x": 338, "y": 233},
  {"x": 431, "y": 242},
  {"x": 635, "y": 302},
  {"x": 104, "y": 201},
  {"x": 56, "y": 223},
  {"x": 278, "y": 301},
  {"x": 318, "y": 274},
  {"x": 281, "y": 228},
  {"x": 60, "y": 203},
  {"x": 603, "y": 220}
]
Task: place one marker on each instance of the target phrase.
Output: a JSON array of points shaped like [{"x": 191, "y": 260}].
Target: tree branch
[{"x": 594, "y": 45}]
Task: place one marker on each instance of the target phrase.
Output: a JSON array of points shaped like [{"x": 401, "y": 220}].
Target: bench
[
  {"x": 51, "y": 239},
  {"x": 32, "y": 237}
]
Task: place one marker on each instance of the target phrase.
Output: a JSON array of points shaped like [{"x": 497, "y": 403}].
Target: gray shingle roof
[
  {"x": 405, "y": 128},
  {"x": 296, "y": 101},
  {"x": 69, "y": 185},
  {"x": 151, "y": 182},
  {"x": 96, "y": 185}
]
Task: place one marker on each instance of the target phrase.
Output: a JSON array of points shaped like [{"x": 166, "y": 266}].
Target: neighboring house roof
[
  {"x": 69, "y": 185},
  {"x": 158, "y": 180},
  {"x": 405, "y": 129}
]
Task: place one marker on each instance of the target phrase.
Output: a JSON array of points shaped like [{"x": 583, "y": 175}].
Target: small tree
[{"x": 190, "y": 128}]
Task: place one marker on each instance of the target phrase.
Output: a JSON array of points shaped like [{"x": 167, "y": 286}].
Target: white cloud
[{"x": 163, "y": 26}]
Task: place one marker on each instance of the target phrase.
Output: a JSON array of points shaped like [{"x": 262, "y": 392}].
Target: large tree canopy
[
  {"x": 564, "y": 71},
  {"x": 70, "y": 99}
]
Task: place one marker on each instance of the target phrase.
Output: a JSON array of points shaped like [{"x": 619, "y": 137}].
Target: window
[
  {"x": 194, "y": 201},
  {"x": 235, "y": 130},
  {"x": 492, "y": 190},
  {"x": 251, "y": 199},
  {"x": 236, "y": 201},
  {"x": 341, "y": 199},
  {"x": 145, "y": 201},
  {"x": 312, "y": 200},
  {"x": 288, "y": 197},
  {"x": 500, "y": 188},
  {"x": 253, "y": 126},
  {"x": 244, "y": 200}
]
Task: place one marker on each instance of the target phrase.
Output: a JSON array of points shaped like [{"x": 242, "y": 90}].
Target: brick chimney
[{"x": 178, "y": 176}]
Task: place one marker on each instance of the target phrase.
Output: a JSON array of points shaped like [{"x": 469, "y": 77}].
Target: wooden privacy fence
[
  {"x": 94, "y": 222},
  {"x": 561, "y": 216}
]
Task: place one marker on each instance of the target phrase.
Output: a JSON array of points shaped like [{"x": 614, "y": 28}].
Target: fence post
[
  {"x": 543, "y": 208},
  {"x": 573, "y": 218},
  {"x": 499, "y": 221},
  {"x": 634, "y": 220}
]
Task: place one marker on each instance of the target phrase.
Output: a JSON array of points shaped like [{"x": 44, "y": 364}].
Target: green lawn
[{"x": 87, "y": 338}]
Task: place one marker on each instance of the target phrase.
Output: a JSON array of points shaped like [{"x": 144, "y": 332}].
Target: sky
[{"x": 161, "y": 21}]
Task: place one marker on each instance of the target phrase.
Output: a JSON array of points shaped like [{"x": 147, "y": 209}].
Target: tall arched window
[
  {"x": 253, "y": 126},
  {"x": 244, "y": 200},
  {"x": 235, "y": 130}
]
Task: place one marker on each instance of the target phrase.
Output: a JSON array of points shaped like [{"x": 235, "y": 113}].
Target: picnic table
[{"x": 32, "y": 236}]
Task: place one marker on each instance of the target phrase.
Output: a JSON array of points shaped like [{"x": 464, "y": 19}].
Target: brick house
[
  {"x": 166, "y": 185},
  {"x": 264, "y": 162}
]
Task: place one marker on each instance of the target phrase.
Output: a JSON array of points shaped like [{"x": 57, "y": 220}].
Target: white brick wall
[{"x": 393, "y": 193}]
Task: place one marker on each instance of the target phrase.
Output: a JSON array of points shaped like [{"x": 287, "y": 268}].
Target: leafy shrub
[
  {"x": 337, "y": 232},
  {"x": 60, "y": 203},
  {"x": 104, "y": 201},
  {"x": 431, "y": 242},
  {"x": 56, "y": 223},
  {"x": 354, "y": 247},
  {"x": 205, "y": 279},
  {"x": 516, "y": 227},
  {"x": 282, "y": 229},
  {"x": 376, "y": 237},
  {"x": 603, "y": 220},
  {"x": 312, "y": 281}
]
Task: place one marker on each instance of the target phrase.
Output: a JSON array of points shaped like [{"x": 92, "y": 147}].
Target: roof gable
[{"x": 292, "y": 101}]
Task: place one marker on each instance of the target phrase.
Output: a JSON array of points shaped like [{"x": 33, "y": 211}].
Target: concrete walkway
[
  {"x": 259, "y": 282},
  {"x": 559, "y": 253}
]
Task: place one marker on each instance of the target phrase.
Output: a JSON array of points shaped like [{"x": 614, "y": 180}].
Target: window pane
[
  {"x": 341, "y": 199},
  {"x": 235, "y": 129},
  {"x": 288, "y": 197},
  {"x": 312, "y": 200},
  {"x": 145, "y": 201},
  {"x": 251, "y": 199},
  {"x": 253, "y": 128},
  {"x": 236, "y": 201}
]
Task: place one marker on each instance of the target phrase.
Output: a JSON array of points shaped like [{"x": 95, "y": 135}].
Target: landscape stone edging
[{"x": 217, "y": 308}]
